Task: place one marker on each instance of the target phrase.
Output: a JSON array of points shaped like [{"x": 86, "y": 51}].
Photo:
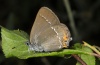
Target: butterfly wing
[
  {"x": 54, "y": 38},
  {"x": 44, "y": 19},
  {"x": 47, "y": 33}
]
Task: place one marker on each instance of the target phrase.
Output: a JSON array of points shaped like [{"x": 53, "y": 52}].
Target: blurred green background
[{"x": 20, "y": 14}]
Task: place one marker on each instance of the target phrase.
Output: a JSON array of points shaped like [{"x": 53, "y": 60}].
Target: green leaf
[
  {"x": 88, "y": 59},
  {"x": 77, "y": 46},
  {"x": 78, "y": 63},
  {"x": 13, "y": 41},
  {"x": 13, "y": 45}
]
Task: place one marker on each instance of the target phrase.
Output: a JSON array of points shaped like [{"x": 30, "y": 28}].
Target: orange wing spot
[
  {"x": 64, "y": 40},
  {"x": 64, "y": 45}
]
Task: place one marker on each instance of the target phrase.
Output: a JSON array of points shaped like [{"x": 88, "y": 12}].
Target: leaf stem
[
  {"x": 92, "y": 47},
  {"x": 79, "y": 59}
]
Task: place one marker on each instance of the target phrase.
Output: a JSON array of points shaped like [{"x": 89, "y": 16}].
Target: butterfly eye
[{"x": 27, "y": 43}]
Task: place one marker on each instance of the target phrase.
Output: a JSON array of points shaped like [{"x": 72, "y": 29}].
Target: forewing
[{"x": 44, "y": 19}]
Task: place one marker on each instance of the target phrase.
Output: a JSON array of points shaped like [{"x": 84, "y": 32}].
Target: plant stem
[
  {"x": 79, "y": 59},
  {"x": 92, "y": 47}
]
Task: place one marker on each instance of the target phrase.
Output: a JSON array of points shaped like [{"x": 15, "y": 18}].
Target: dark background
[{"x": 20, "y": 14}]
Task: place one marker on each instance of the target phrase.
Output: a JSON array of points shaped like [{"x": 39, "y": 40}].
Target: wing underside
[{"x": 44, "y": 19}]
